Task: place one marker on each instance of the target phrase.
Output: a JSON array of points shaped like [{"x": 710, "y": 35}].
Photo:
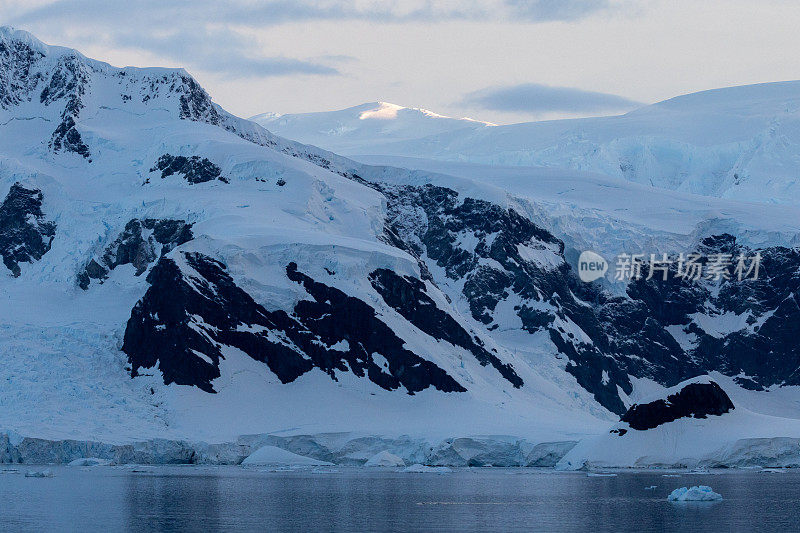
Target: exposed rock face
[
  {"x": 25, "y": 235},
  {"x": 16, "y": 78},
  {"x": 64, "y": 83},
  {"x": 194, "y": 169},
  {"x": 195, "y": 104},
  {"x": 696, "y": 400},
  {"x": 140, "y": 243},
  {"x": 408, "y": 297},
  {"x": 673, "y": 330},
  {"x": 740, "y": 328},
  {"x": 68, "y": 82},
  {"x": 504, "y": 258},
  {"x": 658, "y": 330},
  {"x": 29, "y": 69},
  {"x": 194, "y": 309},
  {"x": 764, "y": 344}
]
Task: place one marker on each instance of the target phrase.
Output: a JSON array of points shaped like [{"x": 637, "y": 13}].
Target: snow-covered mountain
[
  {"x": 151, "y": 234},
  {"x": 364, "y": 128},
  {"x": 174, "y": 271},
  {"x": 738, "y": 142}
]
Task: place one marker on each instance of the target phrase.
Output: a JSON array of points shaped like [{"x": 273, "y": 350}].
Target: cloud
[
  {"x": 536, "y": 98},
  {"x": 208, "y": 35},
  {"x": 551, "y": 10},
  {"x": 337, "y": 58},
  {"x": 221, "y": 51},
  {"x": 273, "y": 12},
  {"x": 179, "y": 31}
]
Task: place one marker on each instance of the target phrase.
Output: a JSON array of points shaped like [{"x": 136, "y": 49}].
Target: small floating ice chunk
[
  {"x": 422, "y": 469},
  {"x": 385, "y": 459},
  {"x": 601, "y": 474},
  {"x": 703, "y": 493},
  {"x": 38, "y": 473},
  {"x": 651, "y": 487}
]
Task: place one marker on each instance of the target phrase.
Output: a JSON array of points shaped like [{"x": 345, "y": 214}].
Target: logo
[{"x": 591, "y": 266}]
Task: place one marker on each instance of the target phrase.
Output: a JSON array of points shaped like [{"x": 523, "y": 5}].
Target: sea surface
[{"x": 198, "y": 498}]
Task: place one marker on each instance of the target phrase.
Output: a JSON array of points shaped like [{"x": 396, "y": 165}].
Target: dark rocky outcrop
[
  {"x": 25, "y": 235},
  {"x": 695, "y": 400},
  {"x": 605, "y": 338},
  {"x": 193, "y": 310},
  {"x": 195, "y": 104},
  {"x": 194, "y": 169},
  {"x": 408, "y": 297},
  {"x": 483, "y": 244},
  {"x": 66, "y": 137},
  {"x": 763, "y": 345},
  {"x": 16, "y": 77},
  {"x": 68, "y": 82},
  {"x": 139, "y": 244}
]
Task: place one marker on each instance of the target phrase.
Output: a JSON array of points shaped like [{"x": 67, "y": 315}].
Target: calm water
[{"x": 235, "y": 499}]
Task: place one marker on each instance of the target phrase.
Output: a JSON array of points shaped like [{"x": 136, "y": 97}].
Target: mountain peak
[
  {"x": 388, "y": 110},
  {"x": 381, "y": 110},
  {"x": 357, "y": 126},
  {"x": 10, "y": 34}
]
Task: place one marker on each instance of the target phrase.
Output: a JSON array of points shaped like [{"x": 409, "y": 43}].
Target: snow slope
[
  {"x": 744, "y": 437},
  {"x": 736, "y": 142},
  {"x": 592, "y": 211}
]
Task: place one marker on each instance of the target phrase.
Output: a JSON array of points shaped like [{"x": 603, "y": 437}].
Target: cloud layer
[
  {"x": 551, "y": 10},
  {"x": 271, "y": 12},
  {"x": 539, "y": 99},
  {"x": 211, "y": 36},
  {"x": 220, "y": 51}
]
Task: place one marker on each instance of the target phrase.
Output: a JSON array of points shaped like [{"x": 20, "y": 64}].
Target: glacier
[{"x": 735, "y": 142}]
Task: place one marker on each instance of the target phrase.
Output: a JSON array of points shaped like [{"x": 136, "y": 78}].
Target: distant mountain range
[{"x": 738, "y": 142}]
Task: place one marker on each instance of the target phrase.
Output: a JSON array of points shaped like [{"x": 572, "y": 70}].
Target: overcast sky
[{"x": 496, "y": 60}]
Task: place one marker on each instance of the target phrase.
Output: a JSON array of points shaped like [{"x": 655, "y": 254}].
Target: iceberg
[
  {"x": 39, "y": 473},
  {"x": 703, "y": 493},
  {"x": 385, "y": 459},
  {"x": 272, "y": 455}
]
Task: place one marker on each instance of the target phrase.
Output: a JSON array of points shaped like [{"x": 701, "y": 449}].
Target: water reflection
[
  {"x": 236, "y": 499},
  {"x": 172, "y": 502}
]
